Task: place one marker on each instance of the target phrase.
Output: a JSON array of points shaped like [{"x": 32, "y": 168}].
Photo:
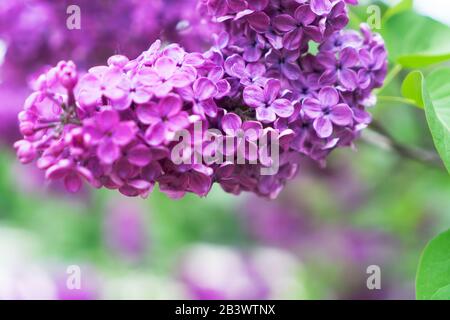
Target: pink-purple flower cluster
[
  {"x": 115, "y": 125},
  {"x": 35, "y": 34}
]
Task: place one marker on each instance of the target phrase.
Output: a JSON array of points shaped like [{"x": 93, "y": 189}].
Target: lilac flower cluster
[
  {"x": 35, "y": 34},
  {"x": 115, "y": 126},
  {"x": 295, "y": 69}
]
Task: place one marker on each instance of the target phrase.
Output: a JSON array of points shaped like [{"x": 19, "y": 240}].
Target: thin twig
[
  {"x": 397, "y": 99},
  {"x": 379, "y": 136}
]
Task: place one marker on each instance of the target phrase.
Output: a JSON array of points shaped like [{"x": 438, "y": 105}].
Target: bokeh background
[{"x": 369, "y": 206}]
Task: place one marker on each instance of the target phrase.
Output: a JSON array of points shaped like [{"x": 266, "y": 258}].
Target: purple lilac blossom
[
  {"x": 314, "y": 103},
  {"x": 35, "y": 35}
]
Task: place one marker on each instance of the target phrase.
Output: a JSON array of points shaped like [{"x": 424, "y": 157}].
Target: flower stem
[{"x": 397, "y": 100}]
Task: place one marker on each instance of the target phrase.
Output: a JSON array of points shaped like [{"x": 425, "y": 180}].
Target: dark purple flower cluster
[
  {"x": 298, "y": 71},
  {"x": 261, "y": 84}
]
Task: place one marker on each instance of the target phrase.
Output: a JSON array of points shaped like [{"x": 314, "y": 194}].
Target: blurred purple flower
[{"x": 125, "y": 230}]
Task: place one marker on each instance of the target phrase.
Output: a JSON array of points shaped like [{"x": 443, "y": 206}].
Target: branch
[{"x": 377, "y": 135}]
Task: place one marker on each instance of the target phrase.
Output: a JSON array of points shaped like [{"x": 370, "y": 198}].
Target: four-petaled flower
[
  {"x": 252, "y": 73},
  {"x": 101, "y": 82},
  {"x": 110, "y": 134},
  {"x": 164, "y": 119},
  {"x": 267, "y": 101},
  {"x": 326, "y": 111},
  {"x": 166, "y": 75},
  {"x": 202, "y": 94},
  {"x": 340, "y": 69},
  {"x": 295, "y": 28},
  {"x": 243, "y": 136}
]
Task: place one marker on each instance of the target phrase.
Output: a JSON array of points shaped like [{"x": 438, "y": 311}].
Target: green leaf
[
  {"x": 412, "y": 88},
  {"x": 433, "y": 94},
  {"x": 442, "y": 294},
  {"x": 416, "y": 41},
  {"x": 403, "y": 5},
  {"x": 433, "y": 274},
  {"x": 436, "y": 98}
]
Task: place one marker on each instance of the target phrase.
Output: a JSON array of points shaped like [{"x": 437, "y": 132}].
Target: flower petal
[
  {"x": 170, "y": 105},
  {"x": 341, "y": 115},
  {"x": 321, "y": 7},
  {"x": 284, "y": 23},
  {"x": 349, "y": 79},
  {"x": 165, "y": 67},
  {"x": 259, "y": 21},
  {"x": 139, "y": 155},
  {"x": 266, "y": 115},
  {"x": 291, "y": 71},
  {"x": 73, "y": 183},
  {"x": 156, "y": 134},
  {"x": 271, "y": 90},
  {"x": 283, "y": 108},
  {"x": 323, "y": 127},
  {"x": 148, "y": 113},
  {"x": 304, "y": 15},
  {"x": 108, "y": 152},
  {"x": 124, "y": 133},
  {"x": 293, "y": 39},
  {"x": 231, "y": 122},
  {"x": 329, "y": 96},
  {"x": 349, "y": 57},
  {"x": 254, "y": 96},
  {"x": 204, "y": 89},
  {"x": 107, "y": 120}
]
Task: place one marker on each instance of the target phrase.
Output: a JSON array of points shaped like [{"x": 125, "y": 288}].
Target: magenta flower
[
  {"x": 252, "y": 73},
  {"x": 321, "y": 7},
  {"x": 326, "y": 111},
  {"x": 101, "y": 82},
  {"x": 216, "y": 75},
  {"x": 243, "y": 134},
  {"x": 340, "y": 40},
  {"x": 259, "y": 21},
  {"x": 374, "y": 68},
  {"x": 251, "y": 44},
  {"x": 267, "y": 101},
  {"x": 257, "y": 5},
  {"x": 110, "y": 134},
  {"x": 72, "y": 174},
  {"x": 306, "y": 86},
  {"x": 202, "y": 94},
  {"x": 136, "y": 90},
  {"x": 167, "y": 75},
  {"x": 114, "y": 127},
  {"x": 164, "y": 119},
  {"x": 67, "y": 74}
]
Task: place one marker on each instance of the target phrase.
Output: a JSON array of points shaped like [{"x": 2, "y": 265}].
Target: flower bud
[
  {"x": 67, "y": 74},
  {"x": 25, "y": 151}
]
